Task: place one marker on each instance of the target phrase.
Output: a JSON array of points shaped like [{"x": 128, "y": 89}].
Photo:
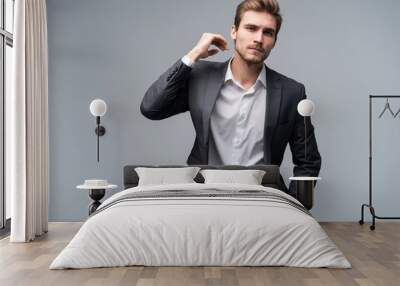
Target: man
[{"x": 243, "y": 112}]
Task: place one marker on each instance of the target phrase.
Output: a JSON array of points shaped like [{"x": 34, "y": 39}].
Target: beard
[{"x": 252, "y": 59}]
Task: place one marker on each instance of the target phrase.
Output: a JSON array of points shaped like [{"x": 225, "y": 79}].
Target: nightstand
[
  {"x": 97, "y": 190},
  {"x": 305, "y": 190}
]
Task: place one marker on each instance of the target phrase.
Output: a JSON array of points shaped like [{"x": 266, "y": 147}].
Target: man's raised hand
[{"x": 204, "y": 49}]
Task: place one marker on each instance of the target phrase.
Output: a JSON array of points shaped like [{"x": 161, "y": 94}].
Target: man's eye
[
  {"x": 250, "y": 28},
  {"x": 269, "y": 33}
]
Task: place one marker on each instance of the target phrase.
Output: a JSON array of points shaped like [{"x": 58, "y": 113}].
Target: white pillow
[
  {"x": 248, "y": 177},
  {"x": 162, "y": 176}
]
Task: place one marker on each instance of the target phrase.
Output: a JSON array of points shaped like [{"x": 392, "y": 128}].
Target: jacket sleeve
[
  {"x": 303, "y": 166},
  {"x": 168, "y": 95}
]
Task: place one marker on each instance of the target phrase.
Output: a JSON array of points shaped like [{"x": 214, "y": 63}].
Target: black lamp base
[
  {"x": 96, "y": 195},
  {"x": 100, "y": 130}
]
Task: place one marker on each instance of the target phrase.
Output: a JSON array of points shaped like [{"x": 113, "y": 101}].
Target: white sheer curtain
[{"x": 27, "y": 123}]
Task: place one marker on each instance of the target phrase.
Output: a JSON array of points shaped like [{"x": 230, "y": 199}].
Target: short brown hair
[{"x": 269, "y": 6}]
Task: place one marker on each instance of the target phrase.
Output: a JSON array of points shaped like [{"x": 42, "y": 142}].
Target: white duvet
[{"x": 200, "y": 231}]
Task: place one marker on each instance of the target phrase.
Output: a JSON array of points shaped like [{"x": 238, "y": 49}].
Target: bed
[{"x": 201, "y": 224}]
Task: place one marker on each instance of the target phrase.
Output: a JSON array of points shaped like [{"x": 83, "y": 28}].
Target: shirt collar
[{"x": 262, "y": 77}]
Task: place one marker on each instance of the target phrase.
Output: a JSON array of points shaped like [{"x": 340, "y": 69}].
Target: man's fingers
[
  {"x": 221, "y": 46},
  {"x": 220, "y": 42},
  {"x": 219, "y": 37},
  {"x": 204, "y": 48},
  {"x": 212, "y": 52}
]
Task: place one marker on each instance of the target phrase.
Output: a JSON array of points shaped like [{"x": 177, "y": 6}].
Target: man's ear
[{"x": 233, "y": 32}]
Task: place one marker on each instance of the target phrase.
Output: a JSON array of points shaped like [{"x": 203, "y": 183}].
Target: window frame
[{"x": 6, "y": 39}]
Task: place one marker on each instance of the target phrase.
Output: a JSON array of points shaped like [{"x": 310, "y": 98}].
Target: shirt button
[{"x": 241, "y": 117}]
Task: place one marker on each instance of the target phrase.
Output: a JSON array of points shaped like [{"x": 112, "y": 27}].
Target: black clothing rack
[{"x": 369, "y": 205}]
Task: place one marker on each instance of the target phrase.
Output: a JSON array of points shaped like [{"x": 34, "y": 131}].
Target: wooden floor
[{"x": 374, "y": 255}]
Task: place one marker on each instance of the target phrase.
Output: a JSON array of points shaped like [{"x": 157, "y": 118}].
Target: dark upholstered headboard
[{"x": 270, "y": 179}]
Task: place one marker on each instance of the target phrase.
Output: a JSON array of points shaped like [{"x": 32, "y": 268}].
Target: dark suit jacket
[{"x": 195, "y": 89}]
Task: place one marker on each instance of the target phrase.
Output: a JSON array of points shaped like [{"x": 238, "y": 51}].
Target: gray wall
[{"x": 341, "y": 50}]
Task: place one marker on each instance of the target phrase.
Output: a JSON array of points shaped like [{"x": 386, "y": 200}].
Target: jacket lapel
[
  {"x": 215, "y": 82},
  {"x": 273, "y": 104}
]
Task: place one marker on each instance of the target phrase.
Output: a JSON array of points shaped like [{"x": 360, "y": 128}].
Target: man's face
[{"x": 255, "y": 36}]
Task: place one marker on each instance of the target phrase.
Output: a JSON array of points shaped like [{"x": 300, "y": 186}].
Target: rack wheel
[
  {"x": 372, "y": 227},
  {"x": 361, "y": 222}
]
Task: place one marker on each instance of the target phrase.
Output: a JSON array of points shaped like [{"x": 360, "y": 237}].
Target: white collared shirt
[{"x": 237, "y": 122}]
